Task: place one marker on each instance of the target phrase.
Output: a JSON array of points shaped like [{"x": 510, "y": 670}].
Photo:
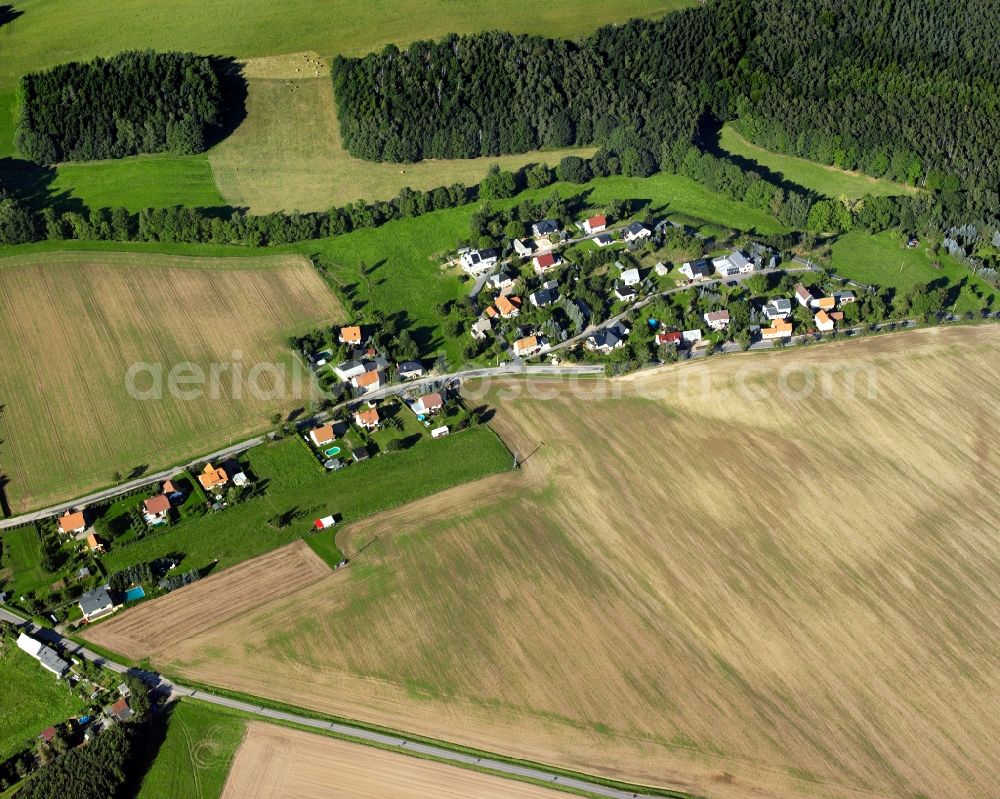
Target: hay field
[
  {"x": 275, "y": 762},
  {"x": 71, "y": 325},
  {"x": 287, "y": 153},
  {"x": 713, "y": 582},
  {"x": 198, "y": 607}
]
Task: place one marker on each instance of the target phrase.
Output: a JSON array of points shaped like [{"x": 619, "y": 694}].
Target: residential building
[
  {"x": 96, "y": 603},
  {"x": 630, "y": 277},
  {"x": 696, "y": 270},
  {"x": 717, "y": 320},
  {"x": 804, "y": 295},
  {"x": 349, "y": 369},
  {"x": 778, "y": 308},
  {"x": 594, "y": 224},
  {"x": 637, "y": 232},
  {"x": 360, "y": 454},
  {"x": 528, "y": 346},
  {"x": 46, "y": 656},
  {"x": 94, "y": 543},
  {"x": 524, "y": 247},
  {"x": 508, "y": 307},
  {"x": 156, "y": 509},
  {"x": 369, "y": 381},
  {"x": 624, "y": 293},
  {"x": 546, "y": 261},
  {"x": 72, "y": 522},
  {"x": 661, "y": 269},
  {"x": 321, "y": 436},
  {"x": 824, "y": 303},
  {"x": 476, "y": 262},
  {"x": 546, "y": 295},
  {"x": 733, "y": 264},
  {"x": 212, "y": 477},
  {"x": 544, "y": 228},
  {"x": 691, "y": 336},
  {"x": 501, "y": 280},
  {"x": 120, "y": 710},
  {"x": 481, "y": 328},
  {"x": 439, "y": 432},
  {"x": 823, "y": 321},
  {"x": 428, "y": 403},
  {"x": 604, "y": 240},
  {"x": 350, "y": 335},
  {"x": 409, "y": 370},
  {"x": 780, "y": 329},
  {"x": 367, "y": 419},
  {"x": 608, "y": 339},
  {"x": 844, "y": 297},
  {"x": 672, "y": 338}
]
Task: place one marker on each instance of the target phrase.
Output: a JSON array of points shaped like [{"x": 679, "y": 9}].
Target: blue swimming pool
[{"x": 134, "y": 594}]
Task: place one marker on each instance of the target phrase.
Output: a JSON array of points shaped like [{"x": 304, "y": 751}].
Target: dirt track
[{"x": 276, "y": 762}]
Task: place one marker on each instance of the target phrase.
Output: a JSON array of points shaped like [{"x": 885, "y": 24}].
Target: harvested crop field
[
  {"x": 765, "y": 575},
  {"x": 73, "y": 324},
  {"x": 275, "y": 762},
  {"x": 153, "y": 628}
]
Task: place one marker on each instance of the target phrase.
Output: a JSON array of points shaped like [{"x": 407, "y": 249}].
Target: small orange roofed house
[
  {"x": 369, "y": 381},
  {"x": 509, "y": 306},
  {"x": 212, "y": 478},
  {"x": 322, "y": 435},
  {"x": 367, "y": 419},
  {"x": 825, "y": 303},
  {"x": 72, "y": 522},
  {"x": 823, "y": 321},
  {"x": 95, "y": 543},
  {"x": 155, "y": 509},
  {"x": 350, "y": 335},
  {"x": 781, "y": 328}
]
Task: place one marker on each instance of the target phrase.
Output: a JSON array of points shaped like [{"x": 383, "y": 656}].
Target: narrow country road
[{"x": 398, "y": 740}]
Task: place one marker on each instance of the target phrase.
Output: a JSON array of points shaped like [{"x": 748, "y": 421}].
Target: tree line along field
[
  {"x": 69, "y": 422},
  {"x": 641, "y": 622}
]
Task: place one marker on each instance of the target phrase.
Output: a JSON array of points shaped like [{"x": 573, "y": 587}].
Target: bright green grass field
[
  {"x": 885, "y": 260},
  {"x": 298, "y": 482},
  {"x": 22, "y": 554},
  {"x": 194, "y": 760},
  {"x": 825, "y": 180},
  {"x": 31, "y": 699}
]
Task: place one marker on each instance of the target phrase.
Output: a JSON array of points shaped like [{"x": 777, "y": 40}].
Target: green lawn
[
  {"x": 885, "y": 260},
  {"x": 31, "y": 698},
  {"x": 194, "y": 760},
  {"x": 825, "y": 180},
  {"x": 21, "y": 558},
  {"x": 298, "y": 485}
]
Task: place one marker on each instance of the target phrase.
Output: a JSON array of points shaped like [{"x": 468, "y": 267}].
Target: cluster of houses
[
  {"x": 826, "y": 315},
  {"x": 735, "y": 263},
  {"x": 366, "y": 370}
]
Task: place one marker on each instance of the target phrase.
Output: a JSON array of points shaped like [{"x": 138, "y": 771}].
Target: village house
[
  {"x": 637, "y": 232},
  {"x": 594, "y": 224},
  {"x": 120, "y": 710},
  {"x": 691, "y": 336},
  {"x": 717, "y": 320},
  {"x": 427, "y": 404},
  {"x": 528, "y": 346},
  {"x": 546, "y": 261},
  {"x": 508, "y": 307},
  {"x": 96, "y": 603},
  {"x": 733, "y": 264},
  {"x": 823, "y": 321},
  {"x": 321, "y": 436},
  {"x": 72, "y": 522},
  {"x": 630, "y": 276},
  {"x": 367, "y": 419},
  {"x": 661, "y": 269},
  {"x": 94, "y": 543},
  {"x": 664, "y": 338},
  {"x": 481, "y": 328},
  {"x": 46, "y": 656},
  {"x": 696, "y": 270},
  {"x": 604, "y": 240},
  {"x": 524, "y": 247},
  {"x": 804, "y": 295},
  {"x": 546, "y": 295},
  {"x": 824, "y": 303},
  {"x": 844, "y": 297},
  {"x": 410, "y": 370},
  {"x": 780, "y": 329},
  {"x": 369, "y": 381},
  {"x": 349, "y": 369},
  {"x": 501, "y": 280},
  {"x": 350, "y": 335},
  {"x": 544, "y": 228},
  {"x": 623, "y": 292},
  {"x": 475, "y": 262},
  {"x": 156, "y": 509},
  {"x": 608, "y": 339},
  {"x": 778, "y": 308},
  {"x": 211, "y": 477}
]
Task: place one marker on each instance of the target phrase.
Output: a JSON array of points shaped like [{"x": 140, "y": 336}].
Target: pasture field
[
  {"x": 194, "y": 759},
  {"x": 884, "y": 260},
  {"x": 777, "y": 578},
  {"x": 69, "y": 420},
  {"x": 287, "y": 153},
  {"x": 20, "y": 561},
  {"x": 820, "y": 178},
  {"x": 277, "y": 761},
  {"x": 31, "y": 698}
]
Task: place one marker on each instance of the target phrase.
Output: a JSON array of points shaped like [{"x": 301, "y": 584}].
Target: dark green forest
[
  {"x": 134, "y": 102},
  {"x": 906, "y": 89}
]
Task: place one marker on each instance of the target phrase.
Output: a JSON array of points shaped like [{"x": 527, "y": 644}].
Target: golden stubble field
[
  {"x": 783, "y": 596},
  {"x": 72, "y": 324},
  {"x": 276, "y": 762}
]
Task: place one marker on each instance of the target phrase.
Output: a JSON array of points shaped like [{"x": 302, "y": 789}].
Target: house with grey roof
[
  {"x": 609, "y": 338},
  {"x": 778, "y": 308},
  {"x": 97, "y": 603}
]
